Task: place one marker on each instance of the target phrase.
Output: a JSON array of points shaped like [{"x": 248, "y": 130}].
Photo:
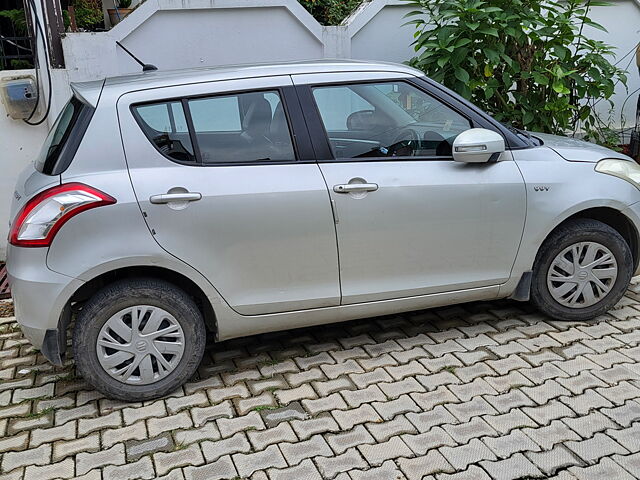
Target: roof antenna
[{"x": 146, "y": 67}]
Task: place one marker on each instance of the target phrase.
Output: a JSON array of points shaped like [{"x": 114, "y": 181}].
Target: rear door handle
[
  {"x": 355, "y": 187},
  {"x": 175, "y": 197}
]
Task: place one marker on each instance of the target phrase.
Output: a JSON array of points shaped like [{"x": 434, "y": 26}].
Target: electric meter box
[{"x": 19, "y": 95}]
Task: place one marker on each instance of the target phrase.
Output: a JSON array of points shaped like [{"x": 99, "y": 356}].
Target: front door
[
  {"x": 224, "y": 187},
  {"x": 410, "y": 220}
]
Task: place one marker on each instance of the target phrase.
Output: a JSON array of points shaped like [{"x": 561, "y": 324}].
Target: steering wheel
[{"x": 405, "y": 143}]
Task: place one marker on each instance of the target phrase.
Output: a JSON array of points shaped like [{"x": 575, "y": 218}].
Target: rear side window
[
  {"x": 239, "y": 128},
  {"x": 165, "y": 125},
  {"x": 64, "y": 137}
]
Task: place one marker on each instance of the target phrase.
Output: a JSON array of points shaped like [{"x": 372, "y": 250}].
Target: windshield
[{"x": 57, "y": 146}]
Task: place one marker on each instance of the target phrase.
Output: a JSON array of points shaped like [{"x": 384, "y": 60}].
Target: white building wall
[
  {"x": 622, "y": 22},
  {"x": 377, "y": 32},
  {"x": 188, "y": 33},
  {"x": 19, "y": 144}
]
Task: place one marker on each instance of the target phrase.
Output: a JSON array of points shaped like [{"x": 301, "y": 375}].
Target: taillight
[{"x": 42, "y": 216}]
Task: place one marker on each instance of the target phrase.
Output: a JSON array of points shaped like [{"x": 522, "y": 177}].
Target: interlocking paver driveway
[{"x": 478, "y": 391}]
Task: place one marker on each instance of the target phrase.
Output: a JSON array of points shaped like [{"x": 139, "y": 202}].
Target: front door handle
[
  {"x": 175, "y": 197},
  {"x": 355, "y": 187}
]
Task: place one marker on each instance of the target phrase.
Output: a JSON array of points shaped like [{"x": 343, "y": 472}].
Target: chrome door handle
[
  {"x": 355, "y": 187},
  {"x": 175, "y": 197}
]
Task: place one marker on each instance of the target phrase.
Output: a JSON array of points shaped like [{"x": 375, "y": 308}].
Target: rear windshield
[{"x": 64, "y": 137}]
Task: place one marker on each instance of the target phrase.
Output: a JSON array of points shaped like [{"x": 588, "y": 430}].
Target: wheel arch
[
  {"x": 180, "y": 280},
  {"x": 611, "y": 217}
]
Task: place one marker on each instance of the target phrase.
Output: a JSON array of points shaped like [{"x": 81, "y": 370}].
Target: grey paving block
[
  {"x": 139, "y": 448},
  {"x": 292, "y": 411}
]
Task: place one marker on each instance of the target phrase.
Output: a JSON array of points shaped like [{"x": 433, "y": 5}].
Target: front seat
[{"x": 256, "y": 126}]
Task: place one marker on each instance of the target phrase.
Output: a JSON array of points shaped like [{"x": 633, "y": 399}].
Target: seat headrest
[{"x": 257, "y": 119}]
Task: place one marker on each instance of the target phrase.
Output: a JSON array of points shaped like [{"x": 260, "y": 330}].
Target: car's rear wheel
[
  {"x": 138, "y": 339},
  {"x": 581, "y": 271}
]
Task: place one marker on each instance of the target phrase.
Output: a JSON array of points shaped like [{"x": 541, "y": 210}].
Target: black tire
[
  {"x": 126, "y": 293},
  {"x": 574, "y": 231}
]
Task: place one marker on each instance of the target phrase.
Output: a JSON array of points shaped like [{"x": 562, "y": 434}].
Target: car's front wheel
[
  {"x": 581, "y": 271},
  {"x": 138, "y": 339}
]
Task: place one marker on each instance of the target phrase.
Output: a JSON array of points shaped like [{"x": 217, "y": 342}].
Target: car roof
[{"x": 90, "y": 91}]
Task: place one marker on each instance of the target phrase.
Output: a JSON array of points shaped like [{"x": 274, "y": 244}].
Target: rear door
[
  {"x": 226, "y": 181},
  {"x": 410, "y": 220}
]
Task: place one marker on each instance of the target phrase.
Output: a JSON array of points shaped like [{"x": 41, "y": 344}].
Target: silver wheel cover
[
  {"x": 140, "y": 345},
  {"x": 582, "y": 274}
]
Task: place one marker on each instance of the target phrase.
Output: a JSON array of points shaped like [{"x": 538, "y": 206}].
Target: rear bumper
[{"x": 41, "y": 300}]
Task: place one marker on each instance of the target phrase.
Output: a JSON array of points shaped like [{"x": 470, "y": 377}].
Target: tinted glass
[
  {"x": 165, "y": 125},
  {"x": 50, "y": 160},
  {"x": 390, "y": 119},
  {"x": 239, "y": 128}
]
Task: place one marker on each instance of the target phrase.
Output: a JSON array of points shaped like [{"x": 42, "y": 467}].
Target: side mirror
[
  {"x": 360, "y": 120},
  {"x": 478, "y": 145}
]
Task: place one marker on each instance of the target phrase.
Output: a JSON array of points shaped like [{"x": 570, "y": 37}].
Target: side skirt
[{"x": 232, "y": 325}]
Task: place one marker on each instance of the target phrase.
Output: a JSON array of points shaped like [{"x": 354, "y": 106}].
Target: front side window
[
  {"x": 387, "y": 119},
  {"x": 165, "y": 125},
  {"x": 241, "y": 128}
]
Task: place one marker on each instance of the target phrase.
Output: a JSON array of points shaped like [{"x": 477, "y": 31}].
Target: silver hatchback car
[{"x": 250, "y": 199}]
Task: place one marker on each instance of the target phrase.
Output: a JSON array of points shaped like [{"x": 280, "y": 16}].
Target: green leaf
[
  {"x": 442, "y": 61},
  {"x": 459, "y": 55},
  {"x": 528, "y": 117},
  {"x": 540, "y": 79},
  {"x": 414, "y": 13},
  {"x": 464, "y": 90},
  {"x": 473, "y": 26},
  {"x": 585, "y": 112},
  {"x": 492, "y": 55},
  {"x": 462, "y": 75},
  {"x": 595, "y": 25},
  {"x": 489, "y": 31},
  {"x": 561, "y": 52},
  {"x": 559, "y": 87},
  {"x": 462, "y": 42}
]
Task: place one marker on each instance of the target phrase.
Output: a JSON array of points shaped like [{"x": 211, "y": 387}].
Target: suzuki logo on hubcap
[{"x": 141, "y": 345}]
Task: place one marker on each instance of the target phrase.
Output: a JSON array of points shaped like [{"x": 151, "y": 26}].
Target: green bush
[
  {"x": 525, "y": 61},
  {"x": 88, "y": 14},
  {"x": 18, "y": 20},
  {"x": 330, "y": 12},
  {"x": 20, "y": 64}
]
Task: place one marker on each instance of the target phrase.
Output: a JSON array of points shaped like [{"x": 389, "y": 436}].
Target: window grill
[
  {"x": 16, "y": 45},
  {"x": 15, "y": 52}
]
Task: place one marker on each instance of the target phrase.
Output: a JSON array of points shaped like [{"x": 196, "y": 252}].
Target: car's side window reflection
[{"x": 387, "y": 119}]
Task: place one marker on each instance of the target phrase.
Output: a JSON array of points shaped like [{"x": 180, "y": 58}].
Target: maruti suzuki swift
[{"x": 240, "y": 200}]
